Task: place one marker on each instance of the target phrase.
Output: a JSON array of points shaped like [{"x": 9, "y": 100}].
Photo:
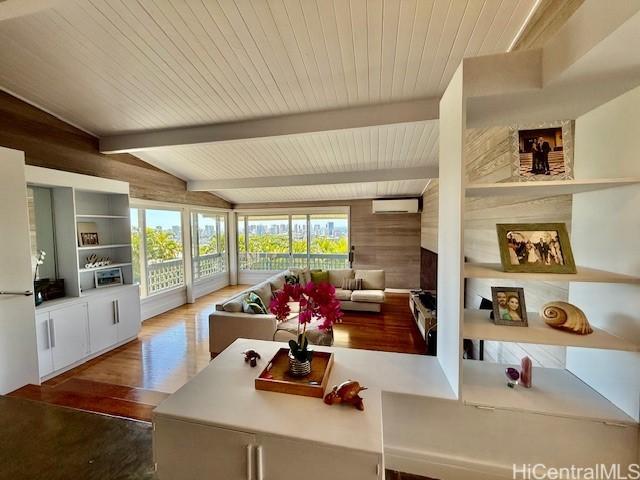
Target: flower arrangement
[
  {"x": 39, "y": 261},
  {"x": 317, "y": 300}
]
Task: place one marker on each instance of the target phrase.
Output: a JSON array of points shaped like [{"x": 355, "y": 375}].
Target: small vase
[{"x": 298, "y": 368}]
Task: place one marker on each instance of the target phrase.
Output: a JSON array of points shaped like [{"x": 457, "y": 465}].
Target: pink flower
[{"x": 315, "y": 300}]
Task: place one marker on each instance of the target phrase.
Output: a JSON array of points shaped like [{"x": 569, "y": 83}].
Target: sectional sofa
[{"x": 229, "y": 321}]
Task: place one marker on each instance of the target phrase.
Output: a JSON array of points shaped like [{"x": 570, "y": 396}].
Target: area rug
[{"x": 40, "y": 441}]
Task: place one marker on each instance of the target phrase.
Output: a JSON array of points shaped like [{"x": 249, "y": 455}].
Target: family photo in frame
[
  {"x": 535, "y": 248},
  {"x": 543, "y": 151},
  {"x": 509, "y": 307}
]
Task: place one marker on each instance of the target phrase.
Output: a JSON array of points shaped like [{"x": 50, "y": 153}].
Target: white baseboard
[
  {"x": 209, "y": 285},
  {"x": 398, "y": 290},
  {"x": 162, "y": 302}
]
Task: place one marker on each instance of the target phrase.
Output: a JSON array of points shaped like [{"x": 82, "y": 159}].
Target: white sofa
[{"x": 228, "y": 322}]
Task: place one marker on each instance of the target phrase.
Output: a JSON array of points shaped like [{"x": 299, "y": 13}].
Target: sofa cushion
[
  {"x": 319, "y": 276},
  {"x": 314, "y": 334},
  {"x": 343, "y": 294},
  {"x": 263, "y": 290},
  {"x": 352, "y": 284},
  {"x": 291, "y": 278},
  {"x": 277, "y": 282},
  {"x": 304, "y": 275},
  {"x": 336, "y": 277},
  {"x": 368, "y": 296},
  {"x": 234, "y": 305},
  {"x": 371, "y": 279}
]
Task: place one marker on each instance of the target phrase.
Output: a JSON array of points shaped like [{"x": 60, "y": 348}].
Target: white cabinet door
[
  {"x": 69, "y": 335},
  {"x": 103, "y": 323},
  {"x": 188, "y": 451},
  {"x": 281, "y": 458},
  {"x": 128, "y": 308},
  {"x": 45, "y": 357}
]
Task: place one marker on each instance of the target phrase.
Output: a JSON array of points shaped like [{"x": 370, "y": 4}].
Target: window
[
  {"x": 209, "y": 244},
  {"x": 329, "y": 245},
  {"x": 156, "y": 237},
  {"x": 278, "y": 242}
]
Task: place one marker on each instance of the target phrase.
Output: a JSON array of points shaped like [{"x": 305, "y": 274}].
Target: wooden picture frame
[
  {"x": 108, "y": 277},
  {"x": 535, "y": 248},
  {"x": 87, "y": 234},
  {"x": 502, "y": 313},
  {"x": 558, "y": 136}
]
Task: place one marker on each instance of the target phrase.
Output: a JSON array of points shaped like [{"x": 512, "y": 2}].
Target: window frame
[
  {"x": 195, "y": 241},
  {"x": 290, "y": 212}
]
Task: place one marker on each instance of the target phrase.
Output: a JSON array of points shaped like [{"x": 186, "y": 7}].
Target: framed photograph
[
  {"x": 535, "y": 248},
  {"x": 543, "y": 151},
  {"x": 87, "y": 234},
  {"x": 509, "y": 307},
  {"x": 109, "y": 277}
]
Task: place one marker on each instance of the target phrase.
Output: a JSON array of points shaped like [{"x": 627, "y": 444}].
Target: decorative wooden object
[
  {"x": 564, "y": 316},
  {"x": 526, "y": 372},
  {"x": 276, "y": 377},
  {"x": 251, "y": 357},
  {"x": 347, "y": 392}
]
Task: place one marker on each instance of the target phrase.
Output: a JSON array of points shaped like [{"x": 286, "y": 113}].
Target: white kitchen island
[{"x": 219, "y": 426}]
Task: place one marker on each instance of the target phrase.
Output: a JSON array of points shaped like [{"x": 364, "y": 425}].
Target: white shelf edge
[
  {"x": 554, "y": 392},
  {"x": 101, "y": 247},
  {"x": 113, "y": 265},
  {"x": 83, "y": 215},
  {"x": 478, "y": 326},
  {"x": 552, "y": 187},
  {"x": 590, "y": 275}
]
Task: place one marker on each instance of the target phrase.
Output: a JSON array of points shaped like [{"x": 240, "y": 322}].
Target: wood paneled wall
[
  {"x": 51, "y": 143},
  {"x": 390, "y": 242}
]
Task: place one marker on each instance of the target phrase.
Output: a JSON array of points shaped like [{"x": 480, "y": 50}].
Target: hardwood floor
[{"x": 174, "y": 346}]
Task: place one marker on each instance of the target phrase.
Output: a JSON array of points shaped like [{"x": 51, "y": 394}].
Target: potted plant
[
  {"x": 317, "y": 301},
  {"x": 38, "y": 284}
]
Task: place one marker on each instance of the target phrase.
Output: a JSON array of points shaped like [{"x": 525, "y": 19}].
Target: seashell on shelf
[{"x": 564, "y": 316}]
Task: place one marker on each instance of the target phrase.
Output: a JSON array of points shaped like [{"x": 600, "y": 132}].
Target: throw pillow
[
  {"x": 319, "y": 276},
  {"x": 254, "y": 304},
  {"x": 277, "y": 282},
  {"x": 264, "y": 292},
  {"x": 292, "y": 279},
  {"x": 234, "y": 305},
  {"x": 352, "y": 284}
]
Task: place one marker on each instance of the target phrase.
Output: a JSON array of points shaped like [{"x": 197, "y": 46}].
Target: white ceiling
[{"x": 115, "y": 66}]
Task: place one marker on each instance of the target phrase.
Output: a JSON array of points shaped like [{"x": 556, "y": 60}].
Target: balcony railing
[
  {"x": 282, "y": 261},
  {"x": 164, "y": 275},
  {"x": 210, "y": 264}
]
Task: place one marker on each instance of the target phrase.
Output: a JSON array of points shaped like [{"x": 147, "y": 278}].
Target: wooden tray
[{"x": 276, "y": 378}]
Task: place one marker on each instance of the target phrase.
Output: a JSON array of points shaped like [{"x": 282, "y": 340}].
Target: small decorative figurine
[
  {"x": 251, "y": 357},
  {"x": 526, "y": 372},
  {"x": 347, "y": 392},
  {"x": 564, "y": 316},
  {"x": 512, "y": 376}
]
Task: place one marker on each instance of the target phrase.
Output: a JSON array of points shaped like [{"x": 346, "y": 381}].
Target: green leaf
[{"x": 293, "y": 346}]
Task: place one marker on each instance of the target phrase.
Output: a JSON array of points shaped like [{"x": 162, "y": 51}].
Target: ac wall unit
[{"x": 401, "y": 205}]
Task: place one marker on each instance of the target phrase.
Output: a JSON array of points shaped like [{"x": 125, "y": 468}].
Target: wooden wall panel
[
  {"x": 390, "y": 242},
  {"x": 51, "y": 143}
]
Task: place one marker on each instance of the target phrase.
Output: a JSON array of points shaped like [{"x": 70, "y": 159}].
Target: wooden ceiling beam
[
  {"x": 367, "y": 176},
  {"x": 18, "y": 8},
  {"x": 339, "y": 119}
]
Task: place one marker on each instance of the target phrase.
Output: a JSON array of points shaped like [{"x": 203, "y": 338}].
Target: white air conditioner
[{"x": 395, "y": 205}]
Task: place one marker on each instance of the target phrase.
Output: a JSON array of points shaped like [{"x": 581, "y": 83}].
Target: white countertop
[{"x": 224, "y": 395}]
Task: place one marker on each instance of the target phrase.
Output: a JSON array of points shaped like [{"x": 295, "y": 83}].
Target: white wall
[{"x": 606, "y": 235}]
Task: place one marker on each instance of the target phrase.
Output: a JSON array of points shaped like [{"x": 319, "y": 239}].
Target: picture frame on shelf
[
  {"x": 535, "y": 248},
  {"x": 542, "y": 151},
  {"x": 509, "y": 306},
  {"x": 110, "y": 277},
  {"x": 87, "y": 234}
]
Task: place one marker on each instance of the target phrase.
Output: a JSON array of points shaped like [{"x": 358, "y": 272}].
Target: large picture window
[
  {"x": 209, "y": 244},
  {"x": 156, "y": 237},
  {"x": 278, "y": 242}
]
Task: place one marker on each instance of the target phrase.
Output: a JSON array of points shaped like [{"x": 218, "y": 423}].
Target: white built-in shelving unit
[{"x": 590, "y": 410}]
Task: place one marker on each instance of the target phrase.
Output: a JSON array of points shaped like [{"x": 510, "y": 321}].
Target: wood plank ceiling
[{"x": 117, "y": 66}]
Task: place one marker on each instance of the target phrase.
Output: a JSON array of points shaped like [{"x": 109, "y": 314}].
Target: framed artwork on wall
[
  {"x": 87, "y": 234},
  {"x": 535, "y": 248},
  {"x": 542, "y": 151}
]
